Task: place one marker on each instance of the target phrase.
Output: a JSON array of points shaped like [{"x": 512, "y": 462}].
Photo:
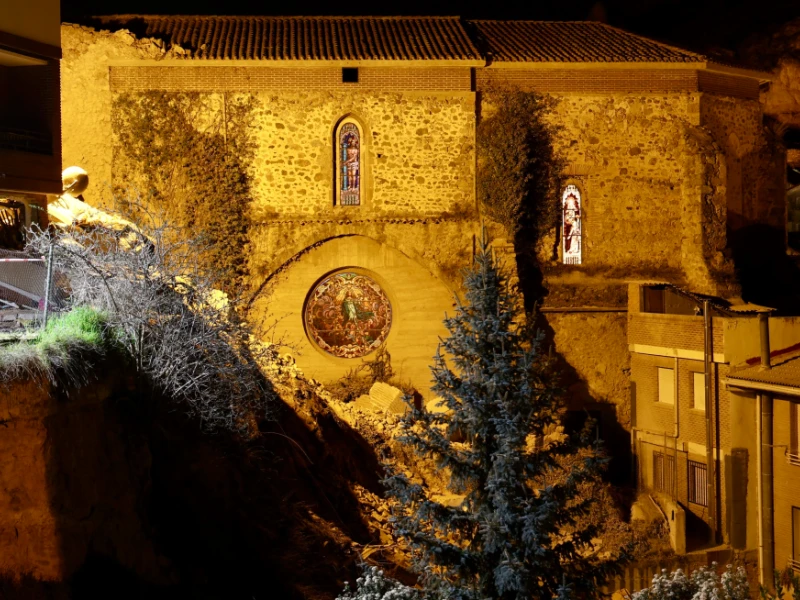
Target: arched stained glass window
[
  {"x": 572, "y": 225},
  {"x": 348, "y": 164}
]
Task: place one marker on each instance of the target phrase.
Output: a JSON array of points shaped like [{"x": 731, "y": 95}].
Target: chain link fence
[{"x": 26, "y": 281}]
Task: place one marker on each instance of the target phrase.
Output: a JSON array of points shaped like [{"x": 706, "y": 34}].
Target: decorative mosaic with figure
[
  {"x": 348, "y": 315},
  {"x": 571, "y": 223}
]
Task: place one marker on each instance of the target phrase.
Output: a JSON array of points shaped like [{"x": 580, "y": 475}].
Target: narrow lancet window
[
  {"x": 349, "y": 164},
  {"x": 572, "y": 226}
]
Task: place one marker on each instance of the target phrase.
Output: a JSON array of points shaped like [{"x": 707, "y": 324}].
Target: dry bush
[
  {"x": 359, "y": 380},
  {"x": 183, "y": 336}
]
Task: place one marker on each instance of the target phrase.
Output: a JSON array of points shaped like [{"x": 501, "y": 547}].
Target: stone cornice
[{"x": 378, "y": 220}]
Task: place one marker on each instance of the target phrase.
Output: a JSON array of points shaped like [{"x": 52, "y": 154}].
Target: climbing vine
[
  {"x": 186, "y": 155},
  {"x": 518, "y": 166}
]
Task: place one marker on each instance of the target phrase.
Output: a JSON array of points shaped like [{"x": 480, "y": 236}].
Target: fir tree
[{"x": 520, "y": 530}]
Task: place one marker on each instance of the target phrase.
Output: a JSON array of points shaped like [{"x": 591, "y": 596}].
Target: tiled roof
[
  {"x": 572, "y": 41},
  {"x": 785, "y": 374},
  {"x": 308, "y": 38}
]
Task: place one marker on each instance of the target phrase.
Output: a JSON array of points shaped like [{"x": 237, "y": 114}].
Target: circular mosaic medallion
[{"x": 348, "y": 315}]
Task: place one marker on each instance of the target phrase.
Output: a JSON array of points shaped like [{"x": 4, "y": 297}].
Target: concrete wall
[
  {"x": 743, "y": 338},
  {"x": 38, "y": 20}
]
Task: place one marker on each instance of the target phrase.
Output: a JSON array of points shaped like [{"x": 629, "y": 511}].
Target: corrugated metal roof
[
  {"x": 573, "y": 41},
  {"x": 308, "y": 38}
]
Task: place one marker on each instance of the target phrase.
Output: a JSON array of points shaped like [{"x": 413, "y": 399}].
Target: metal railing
[{"x": 26, "y": 281}]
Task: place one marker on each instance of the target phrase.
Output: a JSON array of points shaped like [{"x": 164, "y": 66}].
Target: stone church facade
[{"x": 364, "y": 207}]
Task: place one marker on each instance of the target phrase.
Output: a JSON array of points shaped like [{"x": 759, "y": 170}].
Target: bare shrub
[
  {"x": 359, "y": 380},
  {"x": 183, "y": 335}
]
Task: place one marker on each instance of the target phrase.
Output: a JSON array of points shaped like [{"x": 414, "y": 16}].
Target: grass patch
[{"x": 66, "y": 352}]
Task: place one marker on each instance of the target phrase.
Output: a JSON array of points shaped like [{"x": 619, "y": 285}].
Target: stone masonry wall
[
  {"x": 644, "y": 148},
  {"x": 86, "y": 100},
  {"x": 417, "y": 152},
  {"x": 754, "y": 165}
]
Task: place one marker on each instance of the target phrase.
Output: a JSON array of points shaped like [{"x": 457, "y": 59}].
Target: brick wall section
[
  {"x": 651, "y": 415},
  {"x": 620, "y": 80},
  {"x": 658, "y": 418},
  {"x": 728, "y": 85},
  {"x": 786, "y": 484},
  {"x": 254, "y": 78},
  {"x": 692, "y": 422},
  {"x": 673, "y": 331},
  {"x": 590, "y": 80}
]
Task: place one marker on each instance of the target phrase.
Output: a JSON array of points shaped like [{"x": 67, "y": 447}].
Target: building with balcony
[{"x": 30, "y": 119}]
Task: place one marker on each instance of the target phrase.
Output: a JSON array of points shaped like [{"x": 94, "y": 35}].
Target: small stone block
[{"x": 384, "y": 396}]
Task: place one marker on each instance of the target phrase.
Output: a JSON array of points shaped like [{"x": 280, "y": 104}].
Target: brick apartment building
[
  {"x": 715, "y": 499},
  {"x": 775, "y": 393}
]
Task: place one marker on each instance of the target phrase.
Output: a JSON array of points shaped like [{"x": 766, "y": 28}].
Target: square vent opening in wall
[{"x": 350, "y": 75}]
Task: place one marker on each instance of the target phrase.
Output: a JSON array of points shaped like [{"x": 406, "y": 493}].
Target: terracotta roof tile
[
  {"x": 307, "y": 38},
  {"x": 572, "y": 41}
]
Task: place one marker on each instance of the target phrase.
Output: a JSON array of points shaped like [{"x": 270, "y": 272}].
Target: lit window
[
  {"x": 698, "y": 483},
  {"x": 699, "y": 385},
  {"x": 666, "y": 386},
  {"x": 571, "y": 224},
  {"x": 348, "y": 164}
]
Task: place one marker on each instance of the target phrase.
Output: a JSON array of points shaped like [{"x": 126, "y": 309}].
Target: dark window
[
  {"x": 653, "y": 299},
  {"x": 662, "y": 299},
  {"x": 664, "y": 473},
  {"x": 350, "y": 75},
  {"x": 794, "y": 430},
  {"x": 698, "y": 482},
  {"x": 795, "y": 560}
]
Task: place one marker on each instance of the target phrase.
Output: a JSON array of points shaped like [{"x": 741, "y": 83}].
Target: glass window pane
[
  {"x": 699, "y": 384},
  {"x": 349, "y": 156},
  {"x": 666, "y": 386},
  {"x": 571, "y": 225}
]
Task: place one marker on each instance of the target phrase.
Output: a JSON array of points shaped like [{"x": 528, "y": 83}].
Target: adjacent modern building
[
  {"x": 715, "y": 427},
  {"x": 30, "y": 115}
]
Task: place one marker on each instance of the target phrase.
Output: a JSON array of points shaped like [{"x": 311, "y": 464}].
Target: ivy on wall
[
  {"x": 186, "y": 155},
  {"x": 518, "y": 167},
  {"x": 518, "y": 179}
]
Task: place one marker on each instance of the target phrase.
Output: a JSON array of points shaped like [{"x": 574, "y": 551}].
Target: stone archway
[{"x": 418, "y": 299}]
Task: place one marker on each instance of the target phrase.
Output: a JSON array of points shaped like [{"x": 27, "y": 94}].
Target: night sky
[{"x": 702, "y": 25}]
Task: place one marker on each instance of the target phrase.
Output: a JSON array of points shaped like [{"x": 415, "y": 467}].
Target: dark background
[{"x": 716, "y": 26}]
